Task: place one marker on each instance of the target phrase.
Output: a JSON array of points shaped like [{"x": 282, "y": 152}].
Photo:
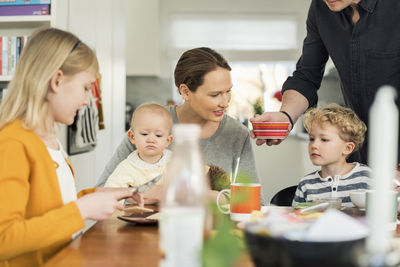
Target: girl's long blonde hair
[{"x": 47, "y": 51}]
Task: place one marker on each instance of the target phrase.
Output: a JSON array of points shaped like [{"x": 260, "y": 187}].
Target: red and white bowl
[{"x": 271, "y": 130}]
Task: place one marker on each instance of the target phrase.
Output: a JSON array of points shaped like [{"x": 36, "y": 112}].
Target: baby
[
  {"x": 150, "y": 132},
  {"x": 335, "y": 132}
]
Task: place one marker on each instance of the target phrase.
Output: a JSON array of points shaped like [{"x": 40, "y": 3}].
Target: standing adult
[
  {"x": 203, "y": 79},
  {"x": 362, "y": 39}
]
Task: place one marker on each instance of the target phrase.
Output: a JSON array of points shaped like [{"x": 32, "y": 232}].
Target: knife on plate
[
  {"x": 146, "y": 186},
  {"x": 318, "y": 207}
]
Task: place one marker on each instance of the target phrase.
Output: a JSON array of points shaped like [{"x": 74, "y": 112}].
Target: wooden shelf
[
  {"x": 21, "y": 19},
  {"x": 24, "y": 26},
  {"x": 5, "y": 78}
]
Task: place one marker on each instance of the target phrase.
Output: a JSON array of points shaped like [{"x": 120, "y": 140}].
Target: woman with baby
[{"x": 203, "y": 79}]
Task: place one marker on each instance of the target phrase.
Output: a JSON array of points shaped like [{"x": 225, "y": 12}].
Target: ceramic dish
[
  {"x": 142, "y": 218},
  {"x": 358, "y": 198},
  {"x": 270, "y": 130},
  {"x": 267, "y": 251}
]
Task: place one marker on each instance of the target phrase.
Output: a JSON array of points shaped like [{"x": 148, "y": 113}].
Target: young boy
[
  {"x": 335, "y": 132},
  {"x": 150, "y": 132}
]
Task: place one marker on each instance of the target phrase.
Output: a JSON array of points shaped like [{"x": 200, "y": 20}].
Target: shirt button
[{"x": 334, "y": 189}]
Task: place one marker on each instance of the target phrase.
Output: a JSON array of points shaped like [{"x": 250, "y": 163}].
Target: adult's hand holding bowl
[{"x": 268, "y": 117}]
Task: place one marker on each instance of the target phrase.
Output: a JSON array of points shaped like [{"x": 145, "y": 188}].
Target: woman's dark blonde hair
[
  {"x": 349, "y": 125},
  {"x": 47, "y": 51},
  {"x": 194, "y": 64}
]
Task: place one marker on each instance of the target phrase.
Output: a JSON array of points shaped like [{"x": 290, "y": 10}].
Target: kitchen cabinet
[{"x": 142, "y": 38}]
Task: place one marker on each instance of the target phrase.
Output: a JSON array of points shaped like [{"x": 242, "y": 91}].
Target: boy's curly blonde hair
[{"x": 349, "y": 125}]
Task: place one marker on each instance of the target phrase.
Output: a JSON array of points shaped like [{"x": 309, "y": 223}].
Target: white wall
[
  {"x": 283, "y": 165},
  {"x": 100, "y": 24}
]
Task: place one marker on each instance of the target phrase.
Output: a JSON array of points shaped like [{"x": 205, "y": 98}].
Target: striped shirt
[{"x": 313, "y": 186}]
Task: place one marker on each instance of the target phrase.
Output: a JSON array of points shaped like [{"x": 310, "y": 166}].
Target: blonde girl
[{"x": 39, "y": 210}]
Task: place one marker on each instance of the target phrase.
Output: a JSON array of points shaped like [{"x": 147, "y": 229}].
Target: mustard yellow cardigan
[{"x": 34, "y": 222}]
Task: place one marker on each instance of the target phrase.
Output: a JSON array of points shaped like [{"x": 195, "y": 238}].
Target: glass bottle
[{"x": 183, "y": 209}]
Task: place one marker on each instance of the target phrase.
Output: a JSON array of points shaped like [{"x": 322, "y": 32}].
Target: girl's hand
[
  {"x": 135, "y": 198},
  {"x": 101, "y": 204}
]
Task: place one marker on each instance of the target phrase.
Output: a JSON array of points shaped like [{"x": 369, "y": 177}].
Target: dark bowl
[{"x": 267, "y": 251}]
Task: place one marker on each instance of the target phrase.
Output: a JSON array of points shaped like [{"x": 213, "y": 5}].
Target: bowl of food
[
  {"x": 270, "y": 130},
  {"x": 358, "y": 198},
  {"x": 270, "y": 251}
]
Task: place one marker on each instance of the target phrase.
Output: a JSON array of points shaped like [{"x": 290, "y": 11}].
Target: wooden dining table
[
  {"x": 114, "y": 242},
  {"x": 111, "y": 243}
]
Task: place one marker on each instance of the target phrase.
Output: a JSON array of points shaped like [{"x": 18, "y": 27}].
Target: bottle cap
[{"x": 186, "y": 131}]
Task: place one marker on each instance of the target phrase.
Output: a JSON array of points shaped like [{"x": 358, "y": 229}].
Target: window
[
  {"x": 234, "y": 32},
  {"x": 257, "y": 83}
]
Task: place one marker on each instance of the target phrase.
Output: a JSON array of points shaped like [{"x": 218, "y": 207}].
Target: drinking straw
[{"x": 235, "y": 172}]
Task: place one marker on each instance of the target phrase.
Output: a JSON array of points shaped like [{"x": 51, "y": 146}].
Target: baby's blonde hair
[
  {"x": 47, "y": 51},
  {"x": 153, "y": 108},
  {"x": 349, "y": 125}
]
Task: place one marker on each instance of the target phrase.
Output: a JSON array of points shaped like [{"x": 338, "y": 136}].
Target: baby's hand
[
  {"x": 153, "y": 195},
  {"x": 136, "y": 198},
  {"x": 150, "y": 197}
]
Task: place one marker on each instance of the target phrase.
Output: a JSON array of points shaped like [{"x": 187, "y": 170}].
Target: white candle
[{"x": 382, "y": 158}]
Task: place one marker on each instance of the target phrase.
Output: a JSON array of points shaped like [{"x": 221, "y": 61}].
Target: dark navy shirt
[{"x": 366, "y": 55}]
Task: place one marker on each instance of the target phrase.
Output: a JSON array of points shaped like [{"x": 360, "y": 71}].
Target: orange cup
[{"x": 244, "y": 198}]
